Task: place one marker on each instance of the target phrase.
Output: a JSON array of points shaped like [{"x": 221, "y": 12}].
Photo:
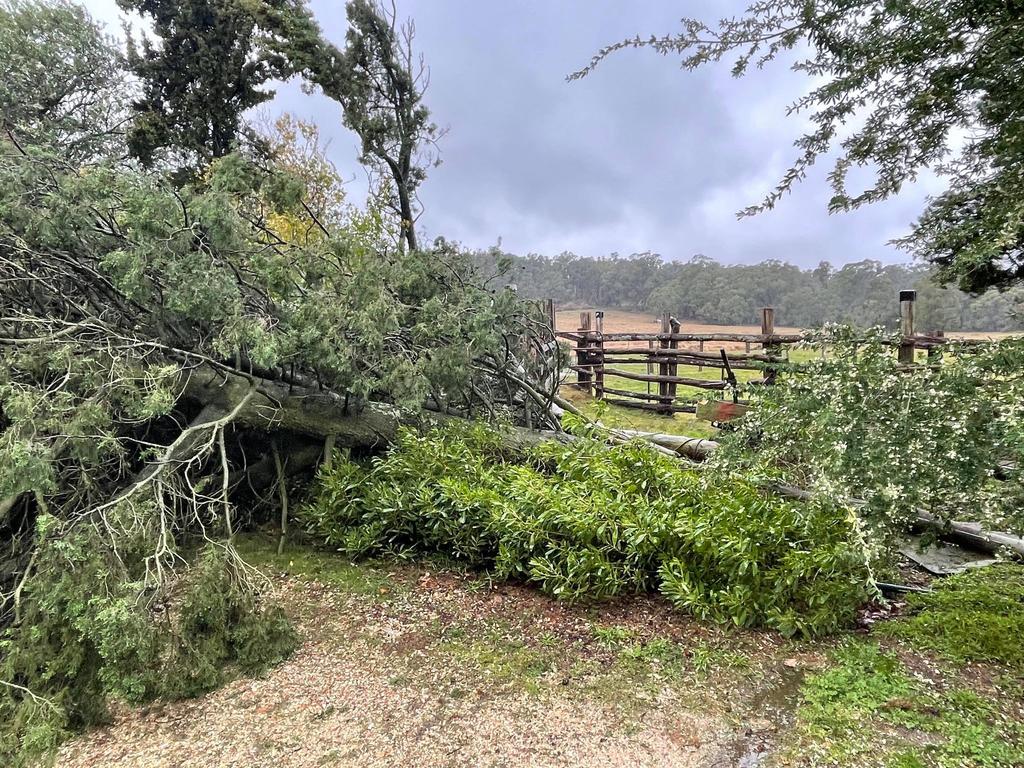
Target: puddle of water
[{"x": 773, "y": 706}]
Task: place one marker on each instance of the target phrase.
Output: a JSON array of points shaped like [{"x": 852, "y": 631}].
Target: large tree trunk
[{"x": 305, "y": 411}]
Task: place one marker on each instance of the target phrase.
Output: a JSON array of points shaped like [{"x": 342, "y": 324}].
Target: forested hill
[{"x": 701, "y": 289}]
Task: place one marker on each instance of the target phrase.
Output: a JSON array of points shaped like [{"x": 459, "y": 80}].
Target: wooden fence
[{"x": 598, "y": 356}]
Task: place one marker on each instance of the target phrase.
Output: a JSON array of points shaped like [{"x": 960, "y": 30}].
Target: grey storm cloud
[{"x": 638, "y": 156}]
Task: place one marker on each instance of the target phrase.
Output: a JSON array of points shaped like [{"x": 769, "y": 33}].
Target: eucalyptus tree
[
  {"x": 380, "y": 83},
  {"x": 384, "y": 103},
  {"x": 897, "y": 88}
]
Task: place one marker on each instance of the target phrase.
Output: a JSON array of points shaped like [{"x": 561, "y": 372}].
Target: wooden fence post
[
  {"x": 906, "y": 353},
  {"x": 583, "y": 375},
  {"x": 768, "y": 329},
  {"x": 650, "y": 365},
  {"x": 549, "y": 312},
  {"x": 935, "y": 353},
  {"x": 598, "y": 355},
  {"x": 673, "y": 367},
  {"x": 664, "y": 400}
]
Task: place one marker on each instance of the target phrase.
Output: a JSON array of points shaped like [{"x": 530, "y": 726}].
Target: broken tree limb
[
  {"x": 696, "y": 448},
  {"x": 279, "y": 406},
  {"x": 282, "y": 491},
  {"x": 972, "y": 534},
  {"x": 275, "y": 405}
]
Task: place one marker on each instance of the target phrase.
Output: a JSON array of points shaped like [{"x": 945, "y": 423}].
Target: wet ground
[{"x": 416, "y": 668}]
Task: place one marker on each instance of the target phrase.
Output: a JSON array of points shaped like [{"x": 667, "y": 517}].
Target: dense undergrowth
[{"x": 587, "y": 521}]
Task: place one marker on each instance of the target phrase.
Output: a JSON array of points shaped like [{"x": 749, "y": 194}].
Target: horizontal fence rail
[{"x": 600, "y": 355}]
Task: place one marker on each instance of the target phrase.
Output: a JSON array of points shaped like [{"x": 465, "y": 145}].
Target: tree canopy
[
  {"x": 896, "y": 88},
  {"x": 205, "y": 65},
  {"x": 701, "y": 289}
]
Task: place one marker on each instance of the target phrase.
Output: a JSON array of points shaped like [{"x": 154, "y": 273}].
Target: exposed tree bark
[{"x": 277, "y": 406}]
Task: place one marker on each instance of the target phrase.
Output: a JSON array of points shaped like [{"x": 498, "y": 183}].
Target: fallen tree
[{"x": 176, "y": 350}]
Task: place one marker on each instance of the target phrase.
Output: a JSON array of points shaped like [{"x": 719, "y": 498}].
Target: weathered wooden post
[
  {"x": 549, "y": 312},
  {"x": 598, "y": 355},
  {"x": 664, "y": 400},
  {"x": 770, "y": 349},
  {"x": 935, "y": 352},
  {"x": 650, "y": 365},
  {"x": 673, "y": 367},
  {"x": 906, "y": 353},
  {"x": 583, "y": 373}
]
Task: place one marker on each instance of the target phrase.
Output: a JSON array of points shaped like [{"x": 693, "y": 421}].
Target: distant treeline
[{"x": 863, "y": 293}]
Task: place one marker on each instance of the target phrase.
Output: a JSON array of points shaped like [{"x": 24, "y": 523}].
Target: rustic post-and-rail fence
[{"x": 599, "y": 355}]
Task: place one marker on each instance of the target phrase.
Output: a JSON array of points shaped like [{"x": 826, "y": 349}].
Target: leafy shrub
[
  {"x": 858, "y": 425},
  {"x": 587, "y": 521}
]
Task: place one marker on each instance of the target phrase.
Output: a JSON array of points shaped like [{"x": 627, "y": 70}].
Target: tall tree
[
  {"x": 380, "y": 83},
  {"x": 62, "y": 82},
  {"x": 208, "y": 63},
  {"x": 897, "y": 87},
  {"x": 384, "y": 103}
]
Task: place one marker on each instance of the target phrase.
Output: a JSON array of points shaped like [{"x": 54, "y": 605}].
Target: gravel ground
[{"x": 372, "y": 686}]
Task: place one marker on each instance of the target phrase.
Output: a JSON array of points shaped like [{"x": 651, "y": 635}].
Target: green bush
[{"x": 588, "y": 521}]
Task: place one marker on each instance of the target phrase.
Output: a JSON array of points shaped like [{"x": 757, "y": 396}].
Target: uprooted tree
[
  {"x": 173, "y": 351},
  {"x": 174, "y": 347}
]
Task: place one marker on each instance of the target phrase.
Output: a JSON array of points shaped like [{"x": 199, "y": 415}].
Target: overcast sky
[{"x": 639, "y": 156}]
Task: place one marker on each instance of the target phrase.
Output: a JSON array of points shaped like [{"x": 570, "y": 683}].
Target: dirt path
[{"x": 409, "y": 668}]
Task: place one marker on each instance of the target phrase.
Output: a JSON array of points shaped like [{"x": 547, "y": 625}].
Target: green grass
[
  {"x": 975, "y": 616},
  {"x": 498, "y": 653},
  {"x": 670, "y": 658},
  {"x": 620, "y": 417},
  {"x": 867, "y": 709},
  {"x": 368, "y": 579}
]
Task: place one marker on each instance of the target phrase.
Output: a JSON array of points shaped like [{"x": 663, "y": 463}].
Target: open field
[
  {"x": 620, "y": 321},
  {"x": 617, "y": 321}
]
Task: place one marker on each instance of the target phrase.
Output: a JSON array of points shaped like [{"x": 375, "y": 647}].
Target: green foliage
[
  {"x": 866, "y": 709},
  {"x": 893, "y": 87},
  {"x": 974, "y": 616},
  {"x": 584, "y": 521},
  {"x": 854, "y": 425},
  {"x": 380, "y": 89},
  {"x": 63, "y": 83},
  {"x": 207, "y": 65},
  {"x": 92, "y": 631}
]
